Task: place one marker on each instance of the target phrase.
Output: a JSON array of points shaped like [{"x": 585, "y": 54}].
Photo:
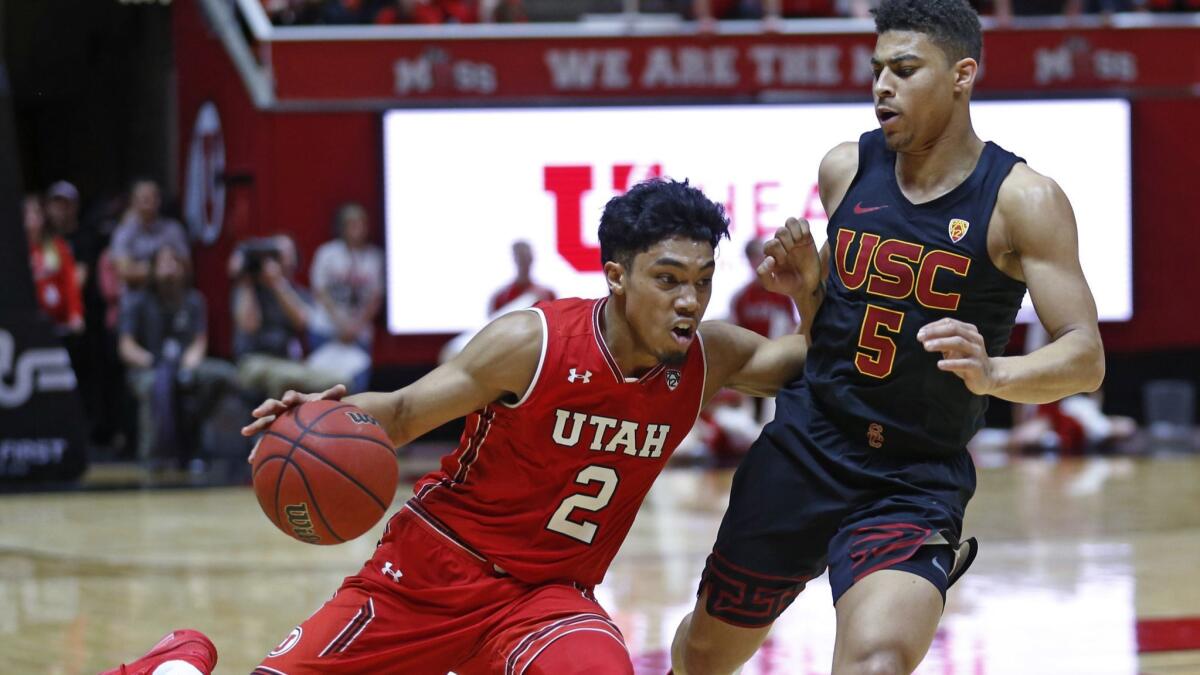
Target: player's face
[
  {"x": 666, "y": 294},
  {"x": 914, "y": 89}
]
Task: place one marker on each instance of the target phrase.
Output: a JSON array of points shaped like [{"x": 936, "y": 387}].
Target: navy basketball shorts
[{"x": 807, "y": 498}]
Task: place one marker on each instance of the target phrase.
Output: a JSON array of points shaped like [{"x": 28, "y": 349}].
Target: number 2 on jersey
[
  {"x": 585, "y": 531},
  {"x": 877, "y": 352}
]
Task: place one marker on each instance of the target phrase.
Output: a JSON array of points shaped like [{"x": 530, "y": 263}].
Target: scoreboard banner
[
  {"x": 544, "y": 175},
  {"x": 385, "y": 67}
]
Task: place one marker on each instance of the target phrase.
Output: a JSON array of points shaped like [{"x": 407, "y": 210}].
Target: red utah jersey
[
  {"x": 757, "y": 309},
  {"x": 548, "y": 487}
]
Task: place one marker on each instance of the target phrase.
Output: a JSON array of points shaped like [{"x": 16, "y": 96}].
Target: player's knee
[
  {"x": 696, "y": 654},
  {"x": 882, "y": 660},
  {"x": 583, "y": 652}
]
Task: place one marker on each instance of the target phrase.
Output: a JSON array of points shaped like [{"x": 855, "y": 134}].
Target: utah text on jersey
[{"x": 624, "y": 438}]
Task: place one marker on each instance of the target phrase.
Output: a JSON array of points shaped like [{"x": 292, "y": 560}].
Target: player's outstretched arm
[
  {"x": 748, "y": 362},
  {"x": 1041, "y": 233},
  {"x": 498, "y": 362}
]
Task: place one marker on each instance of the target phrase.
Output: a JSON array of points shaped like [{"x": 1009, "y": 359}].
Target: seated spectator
[
  {"x": 347, "y": 280},
  {"x": 62, "y": 216},
  {"x": 523, "y": 291},
  {"x": 771, "y": 10},
  {"x": 53, "y": 267},
  {"x": 757, "y": 309},
  {"x": 503, "y": 11},
  {"x": 862, "y": 8},
  {"x": 427, "y": 12},
  {"x": 1007, "y": 9},
  {"x": 1172, "y": 5},
  {"x": 270, "y": 314},
  {"x": 142, "y": 232},
  {"x": 163, "y": 341}
]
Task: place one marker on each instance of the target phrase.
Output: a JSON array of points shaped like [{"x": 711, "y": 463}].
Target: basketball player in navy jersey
[
  {"x": 934, "y": 236},
  {"x": 573, "y": 408}
]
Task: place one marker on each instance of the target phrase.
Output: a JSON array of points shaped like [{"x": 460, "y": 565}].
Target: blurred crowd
[
  {"x": 290, "y": 12},
  {"x": 118, "y": 286},
  {"x": 384, "y": 12}
]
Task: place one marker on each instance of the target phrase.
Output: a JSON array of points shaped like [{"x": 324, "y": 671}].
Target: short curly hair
[
  {"x": 952, "y": 25},
  {"x": 655, "y": 210}
]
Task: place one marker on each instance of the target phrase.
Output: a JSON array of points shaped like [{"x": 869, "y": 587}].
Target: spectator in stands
[
  {"x": 53, "y": 267},
  {"x": 62, "y": 216},
  {"x": 164, "y": 344},
  {"x": 862, "y": 8},
  {"x": 706, "y": 11},
  {"x": 142, "y": 232},
  {"x": 523, "y": 291},
  {"x": 428, "y": 12},
  {"x": 347, "y": 280},
  {"x": 503, "y": 11},
  {"x": 1172, "y": 5},
  {"x": 757, "y": 309},
  {"x": 271, "y": 312}
]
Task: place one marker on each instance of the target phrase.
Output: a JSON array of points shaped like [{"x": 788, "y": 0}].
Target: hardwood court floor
[{"x": 1076, "y": 557}]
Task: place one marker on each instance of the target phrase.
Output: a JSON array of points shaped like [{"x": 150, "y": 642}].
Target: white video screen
[{"x": 462, "y": 185}]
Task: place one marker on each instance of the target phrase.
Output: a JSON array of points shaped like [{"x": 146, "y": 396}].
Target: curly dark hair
[
  {"x": 655, "y": 210},
  {"x": 951, "y": 24}
]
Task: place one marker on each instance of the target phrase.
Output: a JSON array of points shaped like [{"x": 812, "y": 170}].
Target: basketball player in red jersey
[{"x": 573, "y": 408}]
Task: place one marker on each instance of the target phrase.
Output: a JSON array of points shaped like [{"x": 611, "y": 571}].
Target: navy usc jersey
[{"x": 896, "y": 266}]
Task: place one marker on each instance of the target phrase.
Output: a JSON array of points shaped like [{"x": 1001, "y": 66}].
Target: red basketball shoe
[{"x": 191, "y": 646}]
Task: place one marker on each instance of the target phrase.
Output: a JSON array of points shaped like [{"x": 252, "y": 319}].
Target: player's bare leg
[
  {"x": 885, "y": 624},
  {"x": 705, "y": 645}
]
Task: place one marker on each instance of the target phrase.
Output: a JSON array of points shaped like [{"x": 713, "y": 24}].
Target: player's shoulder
[
  {"x": 842, "y": 159},
  {"x": 513, "y": 331},
  {"x": 726, "y": 344},
  {"x": 838, "y": 168},
  {"x": 1026, "y": 195}
]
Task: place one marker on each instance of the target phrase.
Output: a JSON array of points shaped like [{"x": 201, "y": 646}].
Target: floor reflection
[{"x": 1088, "y": 567}]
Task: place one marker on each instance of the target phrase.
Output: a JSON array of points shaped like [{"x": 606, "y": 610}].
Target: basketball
[{"x": 325, "y": 472}]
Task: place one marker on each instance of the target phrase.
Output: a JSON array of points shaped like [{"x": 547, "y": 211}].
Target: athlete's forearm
[
  {"x": 1071, "y": 364},
  {"x": 384, "y": 407},
  {"x": 807, "y": 306}
]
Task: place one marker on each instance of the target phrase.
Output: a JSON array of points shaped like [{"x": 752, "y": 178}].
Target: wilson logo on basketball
[
  {"x": 958, "y": 229},
  {"x": 362, "y": 418},
  {"x": 301, "y": 522}
]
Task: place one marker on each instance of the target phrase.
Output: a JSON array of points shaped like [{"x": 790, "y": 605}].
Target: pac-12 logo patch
[
  {"x": 673, "y": 377},
  {"x": 288, "y": 643},
  {"x": 958, "y": 229}
]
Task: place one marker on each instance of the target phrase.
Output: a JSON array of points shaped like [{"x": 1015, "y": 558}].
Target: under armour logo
[
  {"x": 586, "y": 376},
  {"x": 393, "y": 573}
]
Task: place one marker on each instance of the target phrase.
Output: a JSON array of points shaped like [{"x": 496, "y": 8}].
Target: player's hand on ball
[
  {"x": 792, "y": 266},
  {"x": 271, "y": 408},
  {"x": 964, "y": 352}
]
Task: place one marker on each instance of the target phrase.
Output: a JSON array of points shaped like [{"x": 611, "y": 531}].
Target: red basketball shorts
[{"x": 426, "y": 604}]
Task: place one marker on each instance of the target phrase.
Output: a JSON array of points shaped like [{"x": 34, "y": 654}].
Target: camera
[{"x": 255, "y": 252}]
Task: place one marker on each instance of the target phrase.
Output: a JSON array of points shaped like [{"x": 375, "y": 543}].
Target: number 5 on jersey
[
  {"x": 585, "y": 530},
  {"x": 877, "y": 349}
]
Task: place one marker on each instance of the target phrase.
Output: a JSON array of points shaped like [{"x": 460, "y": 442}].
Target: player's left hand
[{"x": 964, "y": 352}]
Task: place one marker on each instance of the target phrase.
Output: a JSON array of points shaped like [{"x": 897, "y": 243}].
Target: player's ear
[
  {"x": 614, "y": 275},
  {"x": 965, "y": 72}
]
